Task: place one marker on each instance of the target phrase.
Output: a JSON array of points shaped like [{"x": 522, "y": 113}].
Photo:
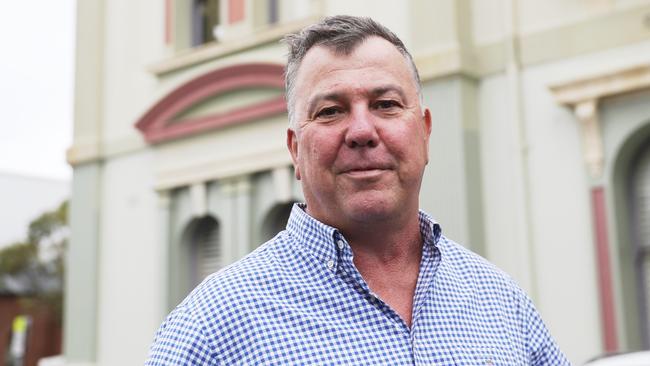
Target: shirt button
[
  {"x": 341, "y": 244},
  {"x": 330, "y": 264}
]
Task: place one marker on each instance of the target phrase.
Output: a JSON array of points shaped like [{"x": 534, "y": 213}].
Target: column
[{"x": 587, "y": 113}]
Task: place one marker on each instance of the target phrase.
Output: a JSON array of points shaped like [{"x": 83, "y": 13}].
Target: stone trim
[{"x": 156, "y": 125}]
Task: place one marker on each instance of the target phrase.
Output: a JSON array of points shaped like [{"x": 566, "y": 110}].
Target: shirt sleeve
[
  {"x": 542, "y": 349},
  {"x": 181, "y": 341}
]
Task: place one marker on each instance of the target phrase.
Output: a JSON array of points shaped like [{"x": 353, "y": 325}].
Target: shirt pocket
[{"x": 485, "y": 356}]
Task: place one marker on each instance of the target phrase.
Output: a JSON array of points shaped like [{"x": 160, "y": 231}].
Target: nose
[{"x": 361, "y": 131}]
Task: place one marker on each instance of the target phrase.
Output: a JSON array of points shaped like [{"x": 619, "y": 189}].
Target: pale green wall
[
  {"x": 625, "y": 121},
  {"x": 81, "y": 276},
  {"x": 451, "y": 188},
  {"x": 129, "y": 268}
]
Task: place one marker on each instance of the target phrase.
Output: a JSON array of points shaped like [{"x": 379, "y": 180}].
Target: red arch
[{"x": 155, "y": 124}]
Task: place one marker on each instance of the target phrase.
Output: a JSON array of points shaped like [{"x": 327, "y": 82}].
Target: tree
[{"x": 36, "y": 264}]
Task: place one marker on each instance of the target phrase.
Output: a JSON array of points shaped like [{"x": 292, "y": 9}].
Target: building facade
[{"x": 539, "y": 159}]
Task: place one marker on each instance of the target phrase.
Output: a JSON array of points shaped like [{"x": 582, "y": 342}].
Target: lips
[{"x": 365, "y": 168}]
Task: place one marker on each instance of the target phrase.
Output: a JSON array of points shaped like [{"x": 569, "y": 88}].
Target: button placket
[{"x": 330, "y": 264}]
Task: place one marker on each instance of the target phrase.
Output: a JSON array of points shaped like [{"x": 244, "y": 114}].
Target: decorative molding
[
  {"x": 212, "y": 51},
  {"x": 170, "y": 178},
  {"x": 88, "y": 151},
  {"x": 583, "y": 96},
  {"x": 83, "y": 151},
  {"x": 587, "y": 114},
  {"x": 595, "y": 34},
  {"x": 614, "y": 29},
  {"x": 158, "y": 123},
  {"x": 164, "y": 200},
  {"x": 488, "y": 59},
  {"x": 601, "y": 86}
]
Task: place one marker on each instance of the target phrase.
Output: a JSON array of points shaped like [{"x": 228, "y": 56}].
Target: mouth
[{"x": 366, "y": 172}]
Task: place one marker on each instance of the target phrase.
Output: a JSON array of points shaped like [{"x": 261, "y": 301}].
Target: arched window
[
  {"x": 205, "y": 249},
  {"x": 640, "y": 218},
  {"x": 276, "y": 220}
]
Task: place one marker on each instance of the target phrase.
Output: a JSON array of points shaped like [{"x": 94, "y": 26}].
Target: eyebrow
[
  {"x": 311, "y": 105},
  {"x": 337, "y": 96},
  {"x": 381, "y": 90}
]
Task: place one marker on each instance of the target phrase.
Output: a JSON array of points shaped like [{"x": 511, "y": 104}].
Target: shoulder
[
  {"x": 476, "y": 279},
  {"x": 210, "y": 318},
  {"x": 470, "y": 278},
  {"x": 472, "y": 268},
  {"x": 238, "y": 281}
]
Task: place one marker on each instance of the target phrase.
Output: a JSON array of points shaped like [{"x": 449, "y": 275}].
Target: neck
[
  {"x": 393, "y": 243},
  {"x": 388, "y": 257}
]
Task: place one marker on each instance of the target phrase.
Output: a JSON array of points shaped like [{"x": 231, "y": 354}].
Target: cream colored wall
[
  {"x": 134, "y": 39},
  {"x": 487, "y": 20},
  {"x": 384, "y": 11},
  {"x": 421, "y": 24},
  {"x": 539, "y": 15},
  {"x": 533, "y": 16},
  {"x": 88, "y": 79},
  {"x": 561, "y": 219}
]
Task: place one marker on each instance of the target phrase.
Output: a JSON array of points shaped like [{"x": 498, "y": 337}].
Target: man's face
[{"x": 360, "y": 143}]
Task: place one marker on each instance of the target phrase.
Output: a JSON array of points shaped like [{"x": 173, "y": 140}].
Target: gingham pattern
[{"x": 298, "y": 299}]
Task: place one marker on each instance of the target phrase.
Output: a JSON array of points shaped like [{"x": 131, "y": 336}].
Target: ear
[
  {"x": 427, "y": 129},
  {"x": 292, "y": 145}
]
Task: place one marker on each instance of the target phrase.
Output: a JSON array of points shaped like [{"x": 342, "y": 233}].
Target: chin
[{"x": 369, "y": 209}]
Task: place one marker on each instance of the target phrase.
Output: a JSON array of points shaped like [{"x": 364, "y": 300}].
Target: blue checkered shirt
[{"x": 299, "y": 299}]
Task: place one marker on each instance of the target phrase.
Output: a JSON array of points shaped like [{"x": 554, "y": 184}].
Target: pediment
[{"x": 224, "y": 97}]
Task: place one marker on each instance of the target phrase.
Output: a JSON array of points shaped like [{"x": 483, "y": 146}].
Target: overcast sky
[{"x": 36, "y": 86}]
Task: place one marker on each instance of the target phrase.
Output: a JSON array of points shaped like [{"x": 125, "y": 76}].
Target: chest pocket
[{"x": 485, "y": 356}]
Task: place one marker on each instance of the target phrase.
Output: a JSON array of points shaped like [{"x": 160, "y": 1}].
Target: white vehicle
[{"x": 627, "y": 359}]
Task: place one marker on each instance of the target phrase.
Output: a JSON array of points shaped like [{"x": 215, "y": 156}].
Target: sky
[{"x": 36, "y": 87}]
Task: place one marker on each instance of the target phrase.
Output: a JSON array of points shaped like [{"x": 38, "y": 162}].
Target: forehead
[{"x": 374, "y": 61}]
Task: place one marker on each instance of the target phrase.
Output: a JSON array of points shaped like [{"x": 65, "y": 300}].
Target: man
[{"x": 360, "y": 275}]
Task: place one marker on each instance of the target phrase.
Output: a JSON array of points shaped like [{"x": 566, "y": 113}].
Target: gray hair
[{"x": 341, "y": 34}]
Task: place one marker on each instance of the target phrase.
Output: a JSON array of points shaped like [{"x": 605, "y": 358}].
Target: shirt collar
[
  {"x": 317, "y": 237},
  {"x": 320, "y": 239},
  {"x": 429, "y": 229}
]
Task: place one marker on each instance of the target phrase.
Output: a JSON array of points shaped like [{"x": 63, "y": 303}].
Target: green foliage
[
  {"x": 48, "y": 224},
  {"x": 48, "y": 232},
  {"x": 17, "y": 257}
]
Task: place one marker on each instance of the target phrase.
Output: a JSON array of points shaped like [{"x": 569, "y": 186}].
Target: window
[
  {"x": 276, "y": 220},
  {"x": 274, "y": 15},
  {"x": 640, "y": 214},
  {"x": 205, "y": 250},
  {"x": 205, "y": 21}
]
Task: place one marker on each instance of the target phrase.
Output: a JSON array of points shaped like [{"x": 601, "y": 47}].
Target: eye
[
  {"x": 328, "y": 112},
  {"x": 387, "y": 105}
]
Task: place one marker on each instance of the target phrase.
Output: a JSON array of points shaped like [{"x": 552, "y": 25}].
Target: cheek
[
  {"x": 320, "y": 152},
  {"x": 407, "y": 144}
]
